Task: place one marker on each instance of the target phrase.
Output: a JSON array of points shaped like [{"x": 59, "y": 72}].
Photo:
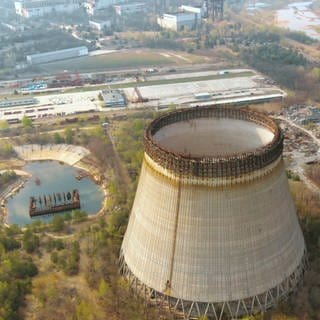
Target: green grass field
[{"x": 121, "y": 60}]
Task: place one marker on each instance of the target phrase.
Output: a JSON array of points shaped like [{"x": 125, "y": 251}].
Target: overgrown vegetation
[
  {"x": 6, "y": 149},
  {"x": 6, "y": 177},
  {"x": 129, "y": 136},
  {"x": 276, "y": 54},
  {"x": 284, "y": 65},
  {"x": 66, "y": 259},
  {"x": 313, "y": 172},
  {"x": 306, "y": 302},
  {"x": 16, "y": 272},
  {"x": 300, "y": 37},
  {"x": 86, "y": 284}
]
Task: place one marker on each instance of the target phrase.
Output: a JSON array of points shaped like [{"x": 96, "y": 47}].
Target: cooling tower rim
[{"x": 232, "y": 165}]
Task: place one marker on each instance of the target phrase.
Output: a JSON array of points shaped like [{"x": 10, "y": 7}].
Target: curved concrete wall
[
  {"x": 66, "y": 153},
  {"x": 209, "y": 243},
  {"x": 210, "y": 137}
]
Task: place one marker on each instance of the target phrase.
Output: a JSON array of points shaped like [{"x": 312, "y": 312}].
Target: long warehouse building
[
  {"x": 50, "y": 56},
  {"x": 39, "y": 8}
]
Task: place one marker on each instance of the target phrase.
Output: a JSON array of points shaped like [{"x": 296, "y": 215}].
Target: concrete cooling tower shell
[{"x": 213, "y": 229}]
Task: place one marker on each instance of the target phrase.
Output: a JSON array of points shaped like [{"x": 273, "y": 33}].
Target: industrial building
[
  {"x": 113, "y": 98},
  {"x": 130, "y": 8},
  {"x": 213, "y": 230},
  {"x": 100, "y": 24},
  {"x": 178, "y": 21},
  {"x": 57, "y": 55},
  {"x": 193, "y": 9},
  {"x": 94, "y": 6},
  {"x": 17, "y": 102},
  {"x": 39, "y": 8}
]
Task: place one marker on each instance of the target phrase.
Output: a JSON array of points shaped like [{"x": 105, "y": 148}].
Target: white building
[
  {"x": 93, "y": 6},
  {"x": 99, "y": 25},
  {"x": 38, "y": 8},
  {"x": 197, "y": 10},
  {"x": 130, "y": 8},
  {"x": 178, "y": 21},
  {"x": 57, "y": 55}
]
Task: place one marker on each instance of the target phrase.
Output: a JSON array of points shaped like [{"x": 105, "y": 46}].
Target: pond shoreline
[
  {"x": 24, "y": 176},
  {"x": 9, "y": 191}
]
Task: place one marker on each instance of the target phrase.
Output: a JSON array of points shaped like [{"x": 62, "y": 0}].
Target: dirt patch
[
  {"x": 11, "y": 164},
  {"x": 267, "y": 107}
]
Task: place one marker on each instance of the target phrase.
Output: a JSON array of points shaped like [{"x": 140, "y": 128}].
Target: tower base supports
[{"x": 189, "y": 310}]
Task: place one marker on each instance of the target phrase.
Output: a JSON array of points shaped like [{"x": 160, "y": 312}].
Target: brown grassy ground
[
  {"x": 142, "y": 58},
  {"x": 267, "y": 107}
]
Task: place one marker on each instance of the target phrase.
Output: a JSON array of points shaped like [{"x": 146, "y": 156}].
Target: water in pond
[
  {"x": 298, "y": 16},
  {"x": 54, "y": 177}
]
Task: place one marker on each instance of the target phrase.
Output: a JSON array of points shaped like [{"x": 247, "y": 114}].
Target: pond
[{"x": 50, "y": 177}]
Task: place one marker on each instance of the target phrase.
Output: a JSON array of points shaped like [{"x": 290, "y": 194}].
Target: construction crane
[{"x": 139, "y": 95}]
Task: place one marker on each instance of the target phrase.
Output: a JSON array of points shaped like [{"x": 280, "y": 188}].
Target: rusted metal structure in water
[{"x": 57, "y": 202}]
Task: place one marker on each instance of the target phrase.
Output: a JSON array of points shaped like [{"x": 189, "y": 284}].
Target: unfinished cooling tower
[{"x": 213, "y": 229}]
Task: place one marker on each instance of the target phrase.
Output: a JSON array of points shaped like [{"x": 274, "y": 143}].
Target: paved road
[{"x": 309, "y": 133}]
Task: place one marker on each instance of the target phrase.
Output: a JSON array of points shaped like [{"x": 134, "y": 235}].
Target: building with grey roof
[
  {"x": 38, "y": 8},
  {"x": 50, "y": 56},
  {"x": 99, "y": 25},
  {"x": 113, "y": 98}
]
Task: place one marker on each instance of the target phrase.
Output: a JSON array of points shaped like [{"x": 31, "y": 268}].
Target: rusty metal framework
[
  {"x": 234, "y": 165},
  {"x": 188, "y": 310},
  {"x": 214, "y": 9}
]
